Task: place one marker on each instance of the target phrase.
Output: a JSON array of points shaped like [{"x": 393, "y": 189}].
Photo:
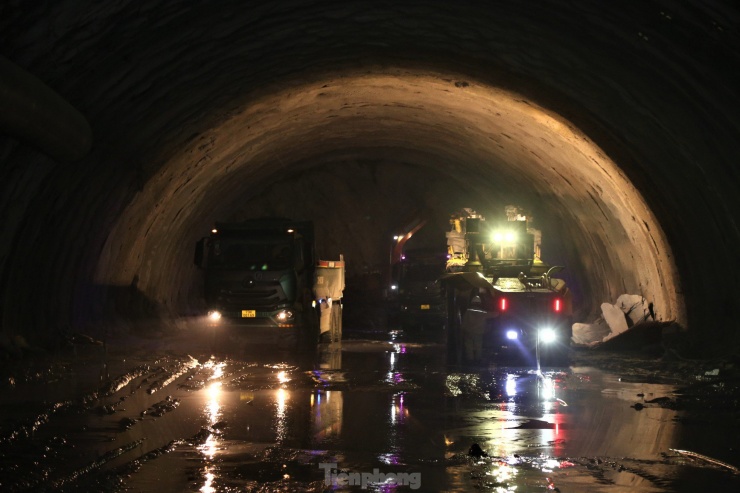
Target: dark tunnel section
[{"x": 617, "y": 124}]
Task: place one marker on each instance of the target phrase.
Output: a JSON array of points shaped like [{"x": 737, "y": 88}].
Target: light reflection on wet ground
[{"x": 258, "y": 419}]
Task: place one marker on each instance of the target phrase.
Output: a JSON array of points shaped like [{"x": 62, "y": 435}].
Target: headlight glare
[{"x": 548, "y": 335}]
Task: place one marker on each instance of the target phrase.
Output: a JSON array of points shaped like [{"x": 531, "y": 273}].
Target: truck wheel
[
  {"x": 309, "y": 331},
  {"x": 289, "y": 340},
  {"x": 336, "y": 323}
]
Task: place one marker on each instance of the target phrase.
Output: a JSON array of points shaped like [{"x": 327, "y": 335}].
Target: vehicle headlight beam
[{"x": 547, "y": 335}]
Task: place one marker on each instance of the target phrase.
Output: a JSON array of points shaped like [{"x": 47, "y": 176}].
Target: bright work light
[{"x": 547, "y": 335}]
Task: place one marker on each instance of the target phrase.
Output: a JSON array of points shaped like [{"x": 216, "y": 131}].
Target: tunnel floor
[{"x": 382, "y": 411}]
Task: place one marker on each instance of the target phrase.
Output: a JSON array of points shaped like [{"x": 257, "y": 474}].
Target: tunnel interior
[
  {"x": 355, "y": 117},
  {"x": 356, "y": 155}
]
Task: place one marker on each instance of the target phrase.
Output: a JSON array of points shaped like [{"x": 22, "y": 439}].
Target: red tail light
[
  {"x": 503, "y": 304},
  {"x": 557, "y": 305}
]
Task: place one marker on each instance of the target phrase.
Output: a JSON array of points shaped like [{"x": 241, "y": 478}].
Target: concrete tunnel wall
[{"x": 616, "y": 125}]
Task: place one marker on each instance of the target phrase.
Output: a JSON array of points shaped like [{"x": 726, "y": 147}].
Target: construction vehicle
[
  {"x": 421, "y": 297},
  {"x": 527, "y": 311},
  {"x": 416, "y": 220},
  {"x": 259, "y": 273},
  {"x": 328, "y": 289}
]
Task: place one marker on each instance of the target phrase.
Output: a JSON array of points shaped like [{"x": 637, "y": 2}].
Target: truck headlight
[
  {"x": 284, "y": 315},
  {"x": 548, "y": 335},
  {"x": 214, "y": 315},
  {"x": 512, "y": 335}
]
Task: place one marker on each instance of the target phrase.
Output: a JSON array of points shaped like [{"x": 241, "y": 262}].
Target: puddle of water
[{"x": 270, "y": 423}]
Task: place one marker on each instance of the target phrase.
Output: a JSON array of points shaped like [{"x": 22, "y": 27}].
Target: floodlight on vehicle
[
  {"x": 512, "y": 335},
  {"x": 548, "y": 335}
]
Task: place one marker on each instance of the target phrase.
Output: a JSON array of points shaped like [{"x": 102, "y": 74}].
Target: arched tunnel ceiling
[
  {"x": 492, "y": 146},
  {"x": 352, "y": 115}
]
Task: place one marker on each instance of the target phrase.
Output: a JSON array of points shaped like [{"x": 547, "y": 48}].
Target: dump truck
[
  {"x": 259, "y": 274},
  {"x": 328, "y": 288},
  {"x": 522, "y": 308},
  {"x": 421, "y": 298}
]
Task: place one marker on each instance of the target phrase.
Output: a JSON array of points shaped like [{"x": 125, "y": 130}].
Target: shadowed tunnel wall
[{"x": 615, "y": 125}]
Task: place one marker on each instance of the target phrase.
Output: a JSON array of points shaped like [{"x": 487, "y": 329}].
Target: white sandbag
[
  {"x": 614, "y": 317},
  {"x": 590, "y": 334},
  {"x": 634, "y": 305}
]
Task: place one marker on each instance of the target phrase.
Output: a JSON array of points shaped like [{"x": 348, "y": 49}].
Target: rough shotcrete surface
[{"x": 615, "y": 124}]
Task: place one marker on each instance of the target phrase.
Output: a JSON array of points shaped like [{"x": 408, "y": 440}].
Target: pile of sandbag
[{"x": 615, "y": 319}]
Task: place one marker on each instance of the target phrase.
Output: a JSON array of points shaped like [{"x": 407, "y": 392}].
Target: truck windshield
[
  {"x": 237, "y": 253},
  {"x": 423, "y": 272}
]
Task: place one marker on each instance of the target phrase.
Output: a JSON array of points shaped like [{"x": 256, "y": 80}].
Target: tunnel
[{"x": 130, "y": 129}]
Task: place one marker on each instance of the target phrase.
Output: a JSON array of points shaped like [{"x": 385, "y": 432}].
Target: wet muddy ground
[{"x": 382, "y": 411}]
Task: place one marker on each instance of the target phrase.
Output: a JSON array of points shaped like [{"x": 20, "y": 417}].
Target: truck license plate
[
  {"x": 249, "y": 313},
  {"x": 425, "y": 307}
]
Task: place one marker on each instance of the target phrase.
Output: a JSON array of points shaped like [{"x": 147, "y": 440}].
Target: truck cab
[
  {"x": 421, "y": 298},
  {"x": 258, "y": 274}
]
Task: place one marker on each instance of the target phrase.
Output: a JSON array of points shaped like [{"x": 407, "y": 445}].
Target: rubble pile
[{"x": 630, "y": 313}]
